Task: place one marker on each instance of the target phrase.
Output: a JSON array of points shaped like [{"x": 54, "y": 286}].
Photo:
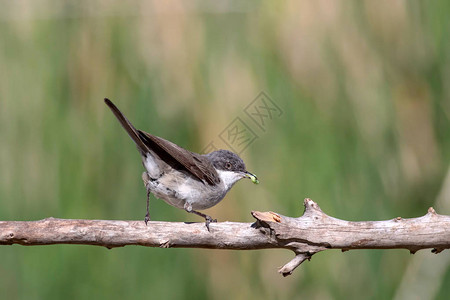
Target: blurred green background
[{"x": 364, "y": 87}]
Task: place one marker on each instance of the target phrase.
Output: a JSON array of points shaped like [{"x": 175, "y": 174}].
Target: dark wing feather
[{"x": 196, "y": 164}]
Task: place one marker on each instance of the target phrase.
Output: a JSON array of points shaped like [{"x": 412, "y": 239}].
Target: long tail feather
[{"x": 129, "y": 128}]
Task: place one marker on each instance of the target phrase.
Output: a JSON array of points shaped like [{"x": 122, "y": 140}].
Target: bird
[{"x": 184, "y": 179}]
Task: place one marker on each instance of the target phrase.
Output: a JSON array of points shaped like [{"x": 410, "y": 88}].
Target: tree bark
[{"x": 311, "y": 233}]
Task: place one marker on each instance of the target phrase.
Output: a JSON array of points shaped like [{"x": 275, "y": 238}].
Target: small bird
[{"x": 182, "y": 178}]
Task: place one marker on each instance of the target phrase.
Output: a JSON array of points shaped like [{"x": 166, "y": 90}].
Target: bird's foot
[
  {"x": 209, "y": 220},
  {"x": 146, "y": 219}
]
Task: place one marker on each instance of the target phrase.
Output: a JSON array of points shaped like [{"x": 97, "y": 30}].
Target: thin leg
[
  {"x": 147, "y": 216},
  {"x": 208, "y": 219},
  {"x": 146, "y": 179}
]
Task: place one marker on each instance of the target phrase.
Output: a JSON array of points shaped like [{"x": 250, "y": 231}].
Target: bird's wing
[{"x": 196, "y": 164}]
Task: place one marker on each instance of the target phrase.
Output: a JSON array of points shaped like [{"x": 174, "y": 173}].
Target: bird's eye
[{"x": 228, "y": 165}]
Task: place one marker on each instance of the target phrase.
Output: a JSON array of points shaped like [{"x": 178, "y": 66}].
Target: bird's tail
[{"x": 129, "y": 128}]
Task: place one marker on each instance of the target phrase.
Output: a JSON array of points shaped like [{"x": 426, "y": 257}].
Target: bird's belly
[{"x": 178, "y": 192}]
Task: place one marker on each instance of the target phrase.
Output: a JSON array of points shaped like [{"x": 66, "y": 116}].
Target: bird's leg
[
  {"x": 208, "y": 219},
  {"x": 146, "y": 179},
  {"x": 147, "y": 215}
]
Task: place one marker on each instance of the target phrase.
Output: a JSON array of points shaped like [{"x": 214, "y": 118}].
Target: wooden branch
[{"x": 313, "y": 232}]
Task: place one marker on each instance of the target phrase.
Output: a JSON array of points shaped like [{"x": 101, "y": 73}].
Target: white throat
[{"x": 229, "y": 178}]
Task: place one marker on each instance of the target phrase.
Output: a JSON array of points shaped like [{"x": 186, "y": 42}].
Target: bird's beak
[{"x": 253, "y": 177}]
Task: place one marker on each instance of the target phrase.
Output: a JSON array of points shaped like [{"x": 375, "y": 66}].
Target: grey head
[{"x": 230, "y": 167}]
